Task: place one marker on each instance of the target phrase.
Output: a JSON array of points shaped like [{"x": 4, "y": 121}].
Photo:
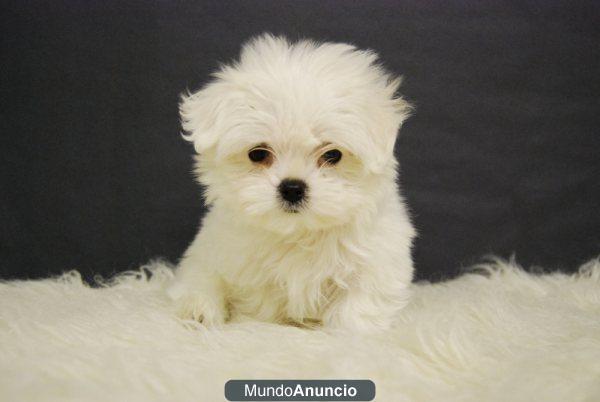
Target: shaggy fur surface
[{"x": 501, "y": 335}]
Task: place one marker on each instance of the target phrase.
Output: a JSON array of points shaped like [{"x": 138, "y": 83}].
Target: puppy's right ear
[{"x": 203, "y": 116}]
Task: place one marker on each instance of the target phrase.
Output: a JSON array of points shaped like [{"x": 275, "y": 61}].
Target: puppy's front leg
[
  {"x": 362, "y": 310},
  {"x": 199, "y": 295}
]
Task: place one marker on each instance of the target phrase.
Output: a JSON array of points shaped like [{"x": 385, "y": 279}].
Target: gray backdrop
[{"x": 500, "y": 157}]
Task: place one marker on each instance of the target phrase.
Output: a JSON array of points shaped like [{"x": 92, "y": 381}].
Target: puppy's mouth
[{"x": 292, "y": 208}]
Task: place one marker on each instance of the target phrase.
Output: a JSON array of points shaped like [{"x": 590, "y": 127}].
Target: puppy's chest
[{"x": 288, "y": 282}]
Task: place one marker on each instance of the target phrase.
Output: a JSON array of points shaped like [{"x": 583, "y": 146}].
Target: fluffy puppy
[{"x": 295, "y": 146}]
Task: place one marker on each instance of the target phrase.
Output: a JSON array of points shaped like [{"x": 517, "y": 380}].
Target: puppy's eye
[
  {"x": 260, "y": 155},
  {"x": 331, "y": 157}
]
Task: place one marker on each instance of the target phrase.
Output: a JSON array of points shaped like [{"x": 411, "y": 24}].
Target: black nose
[{"x": 292, "y": 190}]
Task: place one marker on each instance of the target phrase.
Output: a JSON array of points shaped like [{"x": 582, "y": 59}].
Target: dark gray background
[{"x": 501, "y": 156}]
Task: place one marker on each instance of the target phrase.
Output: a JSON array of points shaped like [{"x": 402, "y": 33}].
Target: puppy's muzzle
[{"x": 292, "y": 190}]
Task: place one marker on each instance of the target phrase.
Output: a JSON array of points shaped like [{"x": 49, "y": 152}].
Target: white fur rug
[{"x": 503, "y": 336}]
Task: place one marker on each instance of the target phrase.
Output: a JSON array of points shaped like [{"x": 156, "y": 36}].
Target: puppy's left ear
[
  {"x": 393, "y": 114},
  {"x": 203, "y": 115}
]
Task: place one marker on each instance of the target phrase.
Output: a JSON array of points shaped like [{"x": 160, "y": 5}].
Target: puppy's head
[{"x": 296, "y": 136}]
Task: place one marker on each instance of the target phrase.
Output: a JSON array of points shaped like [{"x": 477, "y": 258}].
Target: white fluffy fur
[
  {"x": 344, "y": 258},
  {"x": 507, "y": 336}
]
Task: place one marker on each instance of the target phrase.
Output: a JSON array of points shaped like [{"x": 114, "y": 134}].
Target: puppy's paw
[
  {"x": 359, "y": 315},
  {"x": 357, "y": 324},
  {"x": 210, "y": 311}
]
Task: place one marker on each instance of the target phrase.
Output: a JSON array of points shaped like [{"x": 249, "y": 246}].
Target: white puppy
[{"x": 305, "y": 222}]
